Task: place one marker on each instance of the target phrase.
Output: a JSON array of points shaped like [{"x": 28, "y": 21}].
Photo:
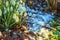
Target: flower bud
[{"x": 0, "y": 12}]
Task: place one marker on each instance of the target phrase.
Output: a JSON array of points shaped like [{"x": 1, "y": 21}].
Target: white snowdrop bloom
[
  {"x": 17, "y": 13},
  {"x": 16, "y": 18},
  {"x": 5, "y": 10},
  {"x": 24, "y": 9},
  {"x": 21, "y": 13},
  {"x": 18, "y": 3},
  {"x": 21, "y": 1},
  {"x": 11, "y": 8},
  {"x": 8, "y": 9},
  {"x": 0, "y": 12},
  {"x": 23, "y": 4},
  {"x": 19, "y": 7},
  {"x": 16, "y": 6},
  {"x": 7, "y": 3},
  {"x": 13, "y": 2},
  {"x": 25, "y": 14}
]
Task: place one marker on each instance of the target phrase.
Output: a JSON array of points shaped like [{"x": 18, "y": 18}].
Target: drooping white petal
[
  {"x": 16, "y": 18},
  {"x": 0, "y": 12},
  {"x": 13, "y": 2},
  {"x": 7, "y": 3}
]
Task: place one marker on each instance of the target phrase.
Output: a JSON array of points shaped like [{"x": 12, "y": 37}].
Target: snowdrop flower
[
  {"x": 25, "y": 14},
  {"x": 13, "y": 2},
  {"x": 5, "y": 11},
  {"x": 17, "y": 13},
  {"x": 16, "y": 18},
  {"x": 20, "y": 8},
  {"x": 11, "y": 8},
  {"x": 23, "y": 8},
  {"x": 17, "y": 6},
  {"x": 21, "y": 1},
  {"x": 7, "y": 3},
  {"x": 8, "y": 9},
  {"x": 18, "y": 3},
  {"x": 21, "y": 13},
  {"x": 0, "y": 12}
]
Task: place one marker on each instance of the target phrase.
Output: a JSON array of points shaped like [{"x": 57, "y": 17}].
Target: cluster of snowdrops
[{"x": 12, "y": 12}]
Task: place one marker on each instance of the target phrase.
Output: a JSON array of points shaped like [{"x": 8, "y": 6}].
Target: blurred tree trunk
[
  {"x": 52, "y": 4},
  {"x": 58, "y": 9}
]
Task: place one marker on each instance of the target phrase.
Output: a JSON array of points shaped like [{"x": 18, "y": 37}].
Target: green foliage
[
  {"x": 55, "y": 23},
  {"x": 11, "y": 12},
  {"x": 54, "y": 36},
  {"x": 59, "y": 36},
  {"x": 58, "y": 28}
]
